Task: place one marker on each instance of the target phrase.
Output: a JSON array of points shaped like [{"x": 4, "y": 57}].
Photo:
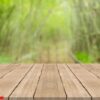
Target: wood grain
[
  {"x": 50, "y": 86},
  {"x": 50, "y": 81},
  {"x": 74, "y": 89},
  {"x": 89, "y": 80},
  {"x": 93, "y": 68},
  {"x": 11, "y": 80},
  {"x": 26, "y": 89},
  {"x": 5, "y": 69}
]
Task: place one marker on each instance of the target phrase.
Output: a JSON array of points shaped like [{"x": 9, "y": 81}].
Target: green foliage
[
  {"x": 5, "y": 59},
  {"x": 28, "y": 26},
  {"x": 84, "y": 57}
]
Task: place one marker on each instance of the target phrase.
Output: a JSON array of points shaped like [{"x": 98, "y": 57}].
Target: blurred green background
[{"x": 50, "y": 31}]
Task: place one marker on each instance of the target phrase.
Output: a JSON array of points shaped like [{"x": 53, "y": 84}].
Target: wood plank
[
  {"x": 11, "y": 80},
  {"x": 50, "y": 86},
  {"x": 74, "y": 90},
  {"x": 3, "y": 66},
  {"x": 6, "y": 69},
  {"x": 26, "y": 89},
  {"x": 89, "y": 80},
  {"x": 93, "y": 68}
]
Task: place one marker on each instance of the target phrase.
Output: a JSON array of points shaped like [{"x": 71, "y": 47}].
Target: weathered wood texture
[{"x": 50, "y": 81}]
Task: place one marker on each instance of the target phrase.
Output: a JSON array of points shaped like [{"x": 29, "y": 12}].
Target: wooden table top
[{"x": 50, "y": 81}]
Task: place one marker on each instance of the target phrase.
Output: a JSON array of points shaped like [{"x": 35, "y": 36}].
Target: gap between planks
[
  {"x": 12, "y": 79},
  {"x": 87, "y": 79}
]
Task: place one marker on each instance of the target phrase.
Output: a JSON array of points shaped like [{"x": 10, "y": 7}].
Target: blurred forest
[{"x": 50, "y": 31}]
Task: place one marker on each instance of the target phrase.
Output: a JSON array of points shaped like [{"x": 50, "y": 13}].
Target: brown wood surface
[
  {"x": 88, "y": 80},
  {"x": 73, "y": 88},
  {"x": 50, "y": 85},
  {"x": 27, "y": 87},
  {"x": 93, "y": 68},
  {"x": 50, "y": 81},
  {"x": 5, "y": 69},
  {"x": 12, "y": 79}
]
